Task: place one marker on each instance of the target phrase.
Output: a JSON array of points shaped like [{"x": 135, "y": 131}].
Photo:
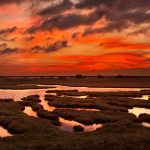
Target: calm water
[
  {"x": 137, "y": 111},
  {"x": 145, "y": 124},
  {"x": 18, "y": 94},
  {"x": 30, "y": 112},
  {"x": 144, "y": 97},
  {"x": 84, "y": 109},
  {"x": 90, "y": 89},
  {"x": 4, "y": 132},
  {"x": 67, "y": 125}
]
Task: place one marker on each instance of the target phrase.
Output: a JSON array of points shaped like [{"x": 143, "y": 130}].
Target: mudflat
[
  {"x": 103, "y": 82},
  {"x": 54, "y": 119}
]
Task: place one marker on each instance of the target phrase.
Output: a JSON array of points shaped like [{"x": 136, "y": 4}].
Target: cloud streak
[
  {"x": 8, "y": 51},
  {"x": 119, "y": 14},
  {"x": 99, "y": 35},
  {"x": 50, "y": 48}
]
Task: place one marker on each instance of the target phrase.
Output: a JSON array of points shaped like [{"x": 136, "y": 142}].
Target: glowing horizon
[{"x": 67, "y": 37}]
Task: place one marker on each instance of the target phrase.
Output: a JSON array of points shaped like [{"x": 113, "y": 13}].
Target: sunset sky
[{"x": 67, "y": 37}]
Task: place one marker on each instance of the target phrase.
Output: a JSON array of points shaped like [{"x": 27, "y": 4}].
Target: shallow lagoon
[
  {"x": 18, "y": 94},
  {"x": 67, "y": 125}
]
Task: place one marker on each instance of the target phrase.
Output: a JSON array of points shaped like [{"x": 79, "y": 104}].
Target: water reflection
[
  {"x": 145, "y": 124},
  {"x": 91, "y": 89},
  {"x": 144, "y": 97},
  {"x": 4, "y": 132},
  {"x": 82, "y": 97},
  {"x": 84, "y": 109},
  {"x": 68, "y": 125},
  {"x": 18, "y": 94},
  {"x": 46, "y": 106},
  {"x": 45, "y": 103},
  {"x": 30, "y": 112},
  {"x": 137, "y": 111}
]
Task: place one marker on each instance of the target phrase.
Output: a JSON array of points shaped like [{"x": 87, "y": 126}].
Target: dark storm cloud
[
  {"x": 32, "y": 29},
  {"x": 71, "y": 20},
  {"x": 8, "y": 51},
  {"x": 110, "y": 27},
  {"x": 122, "y": 5},
  {"x": 30, "y": 38},
  {"x": 121, "y": 22},
  {"x": 136, "y": 17},
  {"x": 64, "y": 22},
  {"x": 120, "y": 15},
  {"x": 55, "y": 9},
  {"x": 93, "y": 3},
  {"x": 56, "y": 46},
  {"x": 3, "y": 45},
  {"x": 132, "y": 5},
  {"x": 34, "y": 2},
  {"x": 7, "y": 31},
  {"x": 75, "y": 35},
  {"x": 3, "y": 2},
  {"x": 144, "y": 30},
  {"x": 50, "y": 48},
  {"x": 37, "y": 49}
]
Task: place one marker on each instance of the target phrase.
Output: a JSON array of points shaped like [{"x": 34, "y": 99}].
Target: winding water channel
[{"x": 67, "y": 125}]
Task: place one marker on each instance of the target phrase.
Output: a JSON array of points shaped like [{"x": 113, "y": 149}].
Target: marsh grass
[
  {"x": 35, "y": 106},
  {"x": 39, "y": 134},
  {"x": 69, "y": 102},
  {"x": 78, "y": 128},
  {"x": 48, "y": 115},
  {"x": 120, "y": 130},
  {"x": 59, "y": 91},
  {"x": 33, "y": 98},
  {"x": 144, "y": 118},
  {"x": 91, "y": 117}
]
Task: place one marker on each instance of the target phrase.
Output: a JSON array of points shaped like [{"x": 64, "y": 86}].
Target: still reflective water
[
  {"x": 67, "y": 125},
  {"x": 73, "y": 96},
  {"x": 18, "y": 94},
  {"x": 91, "y": 89},
  {"x": 30, "y": 112},
  {"x": 84, "y": 109},
  {"x": 137, "y": 111},
  {"x": 145, "y": 124},
  {"x": 144, "y": 97},
  {"x": 4, "y": 132}
]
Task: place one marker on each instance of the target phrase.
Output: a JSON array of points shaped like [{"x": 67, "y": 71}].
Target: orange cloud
[
  {"x": 98, "y": 51},
  {"x": 102, "y": 62},
  {"x": 108, "y": 61},
  {"x": 120, "y": 43}
]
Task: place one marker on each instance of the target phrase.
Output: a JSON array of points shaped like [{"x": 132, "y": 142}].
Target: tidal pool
[
  {"x": 73, "y": 96},
  {"x": 18, "y": 94},
  {"x": 91, "y": 89},
  {"x": 30, "y": 112},
  {"x": 4, "y": 132},
  {"x": 144, "y": 97},
  {"x": 84, "y": 109},
  {"x": 66, "y": 125},
  {"x": 145, "y": 124},
  {"x": 137, "y": 111}
]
